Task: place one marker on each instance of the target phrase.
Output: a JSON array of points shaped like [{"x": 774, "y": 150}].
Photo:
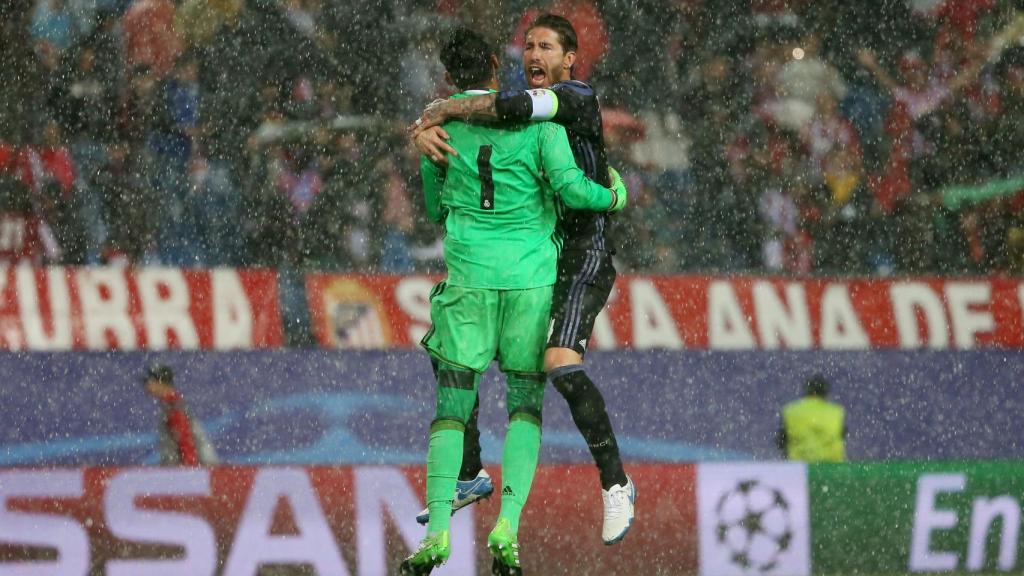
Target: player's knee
[
  {"x": 447, "y": 423},
  {"x": 452, "y": 409},
  {"x": 566, "y": 380},
  {"x": 583, "y": 397},
  {"x": 555, "y": 358},
  {"x": 456, "y": 394},
  {"x": 525, "y": 396}
]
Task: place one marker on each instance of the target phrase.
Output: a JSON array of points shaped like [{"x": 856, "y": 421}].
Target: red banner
[
  {"x": 143, "y": 308},
  {"x": 231, "y": 521},
  {"x": 741, "y": 313}
]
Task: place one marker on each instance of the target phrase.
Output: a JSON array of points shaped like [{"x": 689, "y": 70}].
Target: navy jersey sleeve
[{"x": 572, "y": 104}]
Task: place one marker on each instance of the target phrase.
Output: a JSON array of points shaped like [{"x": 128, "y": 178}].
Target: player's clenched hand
[
  {"x": 433, "y": 144},
  {"x": 619, "y": 192}
]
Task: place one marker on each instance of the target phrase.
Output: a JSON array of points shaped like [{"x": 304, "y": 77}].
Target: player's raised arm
[
  {"x": 433, "y": 183},
  {"x": 439, "y": 111},
  {"x": 571, "y": 183},
  {"x": 431, "y": 140},
  {"x": 572, "y": 104}
]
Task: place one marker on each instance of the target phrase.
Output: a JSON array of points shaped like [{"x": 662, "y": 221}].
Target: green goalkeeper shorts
[{"x": 473, "y": 326}]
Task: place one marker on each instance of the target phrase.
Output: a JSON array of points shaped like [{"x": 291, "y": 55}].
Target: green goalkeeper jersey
[{"x": 497, "y": 202}]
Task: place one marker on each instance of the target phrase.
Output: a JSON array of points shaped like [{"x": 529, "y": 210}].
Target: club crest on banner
[{"x": 356, "y": 316}]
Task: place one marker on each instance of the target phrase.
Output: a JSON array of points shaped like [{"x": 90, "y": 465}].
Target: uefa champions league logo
[{"x": 753, "y": 523}]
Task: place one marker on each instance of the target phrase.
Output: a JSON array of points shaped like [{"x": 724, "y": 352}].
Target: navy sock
[{"x": 588, "y": 412}]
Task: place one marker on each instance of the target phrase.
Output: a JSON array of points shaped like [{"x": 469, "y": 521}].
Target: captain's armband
[{"x": 545, "y": 104}]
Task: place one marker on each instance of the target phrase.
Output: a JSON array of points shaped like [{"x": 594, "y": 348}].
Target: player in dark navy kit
[{"x": 585, "y": 271}]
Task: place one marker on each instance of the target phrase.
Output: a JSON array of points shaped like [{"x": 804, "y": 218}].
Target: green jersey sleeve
[
  {"x": 433, "y": 183},
  {"x": 566, "y": 179}
]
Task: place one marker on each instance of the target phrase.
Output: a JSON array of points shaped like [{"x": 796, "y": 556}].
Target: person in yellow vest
[{"x": 814, "y": 429}]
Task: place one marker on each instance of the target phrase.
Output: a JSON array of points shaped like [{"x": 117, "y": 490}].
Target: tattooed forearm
[{"x": 474, "y": 108}]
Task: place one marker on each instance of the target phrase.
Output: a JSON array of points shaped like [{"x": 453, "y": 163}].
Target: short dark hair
[
  {"x": 561, "y": 26},
  {"x": 466, "y": 56},
  {"x": 160, "y": 373},
  {"x": 817, "y": 386}
]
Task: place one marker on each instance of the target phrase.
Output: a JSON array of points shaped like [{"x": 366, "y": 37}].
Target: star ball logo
[
  {"x": 754, "y": 524},
  {"x": 753, "y": 519}
]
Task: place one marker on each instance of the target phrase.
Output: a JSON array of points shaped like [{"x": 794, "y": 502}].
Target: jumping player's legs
[
  {"x": 456, "y": 389},
  {"x": 585, "y": 280},
  {"x": 463, "y": 334},
  {"x": 524, "y": 318},
  {"x": 462, "y": 341}
]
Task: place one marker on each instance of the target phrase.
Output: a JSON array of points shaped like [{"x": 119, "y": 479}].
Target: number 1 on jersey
[{"x": 483, "y": 165}]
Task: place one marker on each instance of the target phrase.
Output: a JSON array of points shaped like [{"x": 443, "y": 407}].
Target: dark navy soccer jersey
[{"x": 574, "y": 105}]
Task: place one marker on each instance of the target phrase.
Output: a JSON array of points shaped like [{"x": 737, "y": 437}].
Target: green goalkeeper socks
[
  {"x": 444, "y": 458},
  {"x": 518, "y": 466}
]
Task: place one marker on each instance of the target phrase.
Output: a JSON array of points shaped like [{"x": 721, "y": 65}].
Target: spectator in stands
[
  {"x": 421, "y": 75},
  {"x": 199, "y": 20},
  {"x": 57, "y": 200},
  {"x": 711, "y": 110},
  {"x": 844, "y": 209},
  {"x": 129, "y": 226},
  {"x": 157, "y": 117},
  {"x": 53, "y": 25},
  {"x": 150, "y": 38},
  {"x": 813, "y": 428},
  {"x": 396, "y": 215},
  {"x": 172, "y": 148},
  {"x": 87, "y": 111},
  {"x": 804, "y": 81},
  {"x": 1015, "y": 246},
  {"x": 183, "y": 442},
  {"x": 21, "y": 230},
  {"x": 644, "y": 231},
  {"x": 1007, "y": 130},
  {"x": 22, "y": 78},
  {"x": 216, "y": 206},
  {"x": 827, "y": 131},
  {"x": 335, "y": 231},
  {"x": 231, "y": 76}
]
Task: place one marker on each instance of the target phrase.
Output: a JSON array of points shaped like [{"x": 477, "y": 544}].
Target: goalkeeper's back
[
  {"x": 497, "y": 201},
  {"x": 496, "y": 197},
  {"x": 498, "y": 212}
]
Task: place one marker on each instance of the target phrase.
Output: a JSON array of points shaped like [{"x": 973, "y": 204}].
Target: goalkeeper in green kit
[{"x": 496, "y": 200}]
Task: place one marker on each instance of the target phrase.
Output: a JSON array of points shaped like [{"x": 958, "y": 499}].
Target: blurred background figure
[
  {"x": 813, "y": 428},
  {"x": 183, "y": 442}
]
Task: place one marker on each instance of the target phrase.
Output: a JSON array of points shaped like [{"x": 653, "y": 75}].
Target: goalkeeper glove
[{"x": 619, "y": 192}]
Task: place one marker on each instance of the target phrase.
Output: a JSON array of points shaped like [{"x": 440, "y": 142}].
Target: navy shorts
[{"x": 585, "y": 280}]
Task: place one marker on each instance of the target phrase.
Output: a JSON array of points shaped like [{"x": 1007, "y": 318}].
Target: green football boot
[
  {"x": 504, "y": 546},
  {"x": 433, "y": 551}
]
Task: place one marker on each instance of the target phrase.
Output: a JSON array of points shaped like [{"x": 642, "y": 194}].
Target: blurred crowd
[{"x": 780, "y": 136}]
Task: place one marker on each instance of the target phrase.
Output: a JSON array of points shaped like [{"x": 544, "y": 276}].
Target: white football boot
[{"x": 618, "y": 511}]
